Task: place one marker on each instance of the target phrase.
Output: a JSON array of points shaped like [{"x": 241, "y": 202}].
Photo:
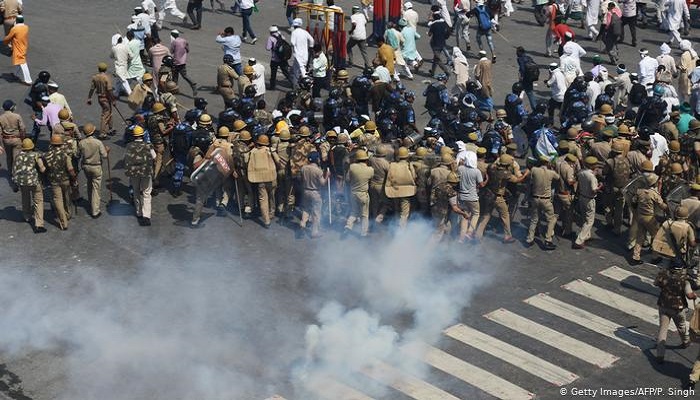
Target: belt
[
  {"x": 10, "y": 18},
  {"x": 92, "y": 165},
  {"x": 542, "y": 197},
  {"x": 586, "y": 197}
]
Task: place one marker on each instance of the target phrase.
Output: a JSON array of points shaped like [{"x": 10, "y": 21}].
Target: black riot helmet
[
  {"x": 44, "y": 76},
  {"x": 200, "y": 102}
]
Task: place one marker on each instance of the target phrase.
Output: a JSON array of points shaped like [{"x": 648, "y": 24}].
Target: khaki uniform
[
  {"x": 575, "y": 149},
  {"x": 26, "y": 170},
  {"x": 262, "y": 174},
  {"x": 624, "y": 143},
  {"x": 243, "y": 82},
  {"x": 401, "y": 186},
  {"x": 692, "y": 203},
  {"x": 12, "y": 129},
  {"x": 92, "y": 152},
  {"x": 157, "y": 128},
  {"x": 223, "y": 193},
  {"x": 601, "y": 150},
  {"x": 541, "y": 192},
  {"x": 422, "y": 189},
  {"x": 138, "y": 166},
  {"x": 499, "y": 177},
  {"x": 377, "y": 198},
  {"x": 647, "y": 200},
  {"x": 636, "y": 158},
  {"x": 587, "y": 186},
  {"x": 225, "y": 77},
  {"x": 60, "y": 169},
  {"x": 438, "y": 175},
  {"x": 442, "y": 197},
  {"x": 102, "y": 85},
  {"x": 672, "y": 303},
  {"x": 358, "y": 178},
  {"x": 312, "y": 181},
  {"x": 565, "y": 195},
  {"x": 285, "y": 187},
  {"x": 241, "y": 155},
  {"x": 617, "y": 171},
  {"x": 10, "y": 10}
]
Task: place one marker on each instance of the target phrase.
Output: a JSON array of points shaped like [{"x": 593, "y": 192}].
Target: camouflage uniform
[
  {"x": 156, "y": 128},
  {"x": 441, "y": 198},
  {"x": 422, "y": 176},
  {"x": 25, "y": 170},
  {"x": 241, "y": 155},
  {"x": 60, "y": 170},
  {"x": 138, "y": 165},
  {"x": 285, "y": 189}
]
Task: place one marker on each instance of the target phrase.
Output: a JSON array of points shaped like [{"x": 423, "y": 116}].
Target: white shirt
[
  {"x": 383, "y": 73},
  {"x": 301, "y": 41},
  {"x": 557, "y": 83},
  {"x": 647, "y": 70},
  {"x": 150, "y": 7},
  {"x": 574, "y": 49},
  {"x": 360, "y": 31},
  {"x": 246, "y": 4},
  {"x": 659, "y": 147},
  {"x": 319, "y": 66},
  {"x": 259, "y": 80},
  {"x": 412, "y": 18}
]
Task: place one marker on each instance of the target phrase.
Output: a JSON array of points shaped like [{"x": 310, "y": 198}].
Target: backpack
[
  {"x": 615, "y": 25},
  {"x": 283, "y": 49},
  {"x": 433, "y": 101},
  {"x": 484, "y": 18},
  {"x": 532, "y": 71}
]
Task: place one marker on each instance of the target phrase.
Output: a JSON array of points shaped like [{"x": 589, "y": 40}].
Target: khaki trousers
[
  {"x": 106, "y": 115},
  {"x": 311, "y": 204},
  {"x": 587, "y": 209},
  {"x": 665, "y": 317},
  {"x": 266, "y": 200},
  {"x": 160, "y": 151},
  {"x": 61, "y": 202},
  {"x": 12, "y": 148},
  {"x": 468, "y": 225},
  {"x": 646, "y": 224},
  {"x": 33, "y": 203},
  {"x": 564, "y": 213},
  {"x": 359, "y": 204},
  {"x": 378, "y": 202},
  {"x": 93, "y": 174},
  {"x": 695, "y": 373},
  {"x": 546, "y": 209},
  {"x": 142, "y": 195},
  {"x": 403, "y": 204},
  {"x": 502, "y": 208}
]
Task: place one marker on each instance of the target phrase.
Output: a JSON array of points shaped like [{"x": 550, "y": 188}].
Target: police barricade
[{"x": 210, "y": 175}]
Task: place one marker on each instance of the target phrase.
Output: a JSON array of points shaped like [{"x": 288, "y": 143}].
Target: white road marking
[
  {"x": 331, "y": 389},
  {"x": 405, "y": 383},
  {"x": 626, "y": 277},
  {"x": 548, "y": 336},
  {"x": 511, "y": 354}
]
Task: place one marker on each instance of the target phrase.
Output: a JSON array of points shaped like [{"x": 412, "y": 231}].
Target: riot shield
[
  {"x": 210, "y": 175},
  {"x": 640, "y": 182},
  {"x": 676, "y": 195}
]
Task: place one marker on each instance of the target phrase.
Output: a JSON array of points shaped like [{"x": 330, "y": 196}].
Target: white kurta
[
  {"x": 301, "y": 42},
  {"x": 592, "y": 12},
  {"x": 673, "y": 14},
  {"x": 120, "y": 54}
]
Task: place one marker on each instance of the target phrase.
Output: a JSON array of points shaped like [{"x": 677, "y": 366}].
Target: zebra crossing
[{"x": 540, "y": 365}]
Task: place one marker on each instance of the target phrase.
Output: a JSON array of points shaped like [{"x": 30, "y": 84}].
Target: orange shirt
[{"x": 18, "y": 37}]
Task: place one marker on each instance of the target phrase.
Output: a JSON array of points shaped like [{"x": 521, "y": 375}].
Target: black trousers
[
  {"x": 282, "y": 65},
  {"x": 632, "y": 23},
  {"x": 195, "y": 13},
  {"x": 181, "y": 70}
]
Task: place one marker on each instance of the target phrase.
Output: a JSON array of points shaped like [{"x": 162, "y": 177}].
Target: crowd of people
[{"x": 623, "y": 142}]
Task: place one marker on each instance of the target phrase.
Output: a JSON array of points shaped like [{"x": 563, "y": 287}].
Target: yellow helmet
[
  {"x": 147, "y": 77},
  {"x": 370, "y": 126},
  {"x": 285, "y": 135},
  {"x": 342, "y": 74},
  {"x": 223, "y": 132},
  {"x": 245, "y": 136},
  {"x": 27, "y": 144},
  {"x": 676, "y": 168},
  {"x": 102, "y": 67},
  {"x": 89, "y": 129},
  {"x": 281, "y": 125},
  {"x": 248, "y": 70},
  {"x": 361, "y": 155},
  {"x": 157, "y": 107},
  {"x": 421, "y": 152},
  {"x": 647, "y": 166},
  {"x": 238, "y": 125},
  {"x": 138, "y": 131},
  {"x": 452, "y": 178},
  {"x": 402, "y": 154},
  {"x": 674, "y": 146},
  {"x": 591, "y": 161},
  {"x": 263, "y": 140},
  {"x": 505, "y": 159},
  {"x": 304, "y": 131},
  {"x": 331, "y": 134},
  {"x": 204, "y": 119},
  {"x": 446, "y": 159},
  {"x": 56, "y": 140},
  {"x": 63, "y": 115}
]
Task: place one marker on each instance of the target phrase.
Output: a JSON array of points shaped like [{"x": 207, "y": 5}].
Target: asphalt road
[{"x": 110, "y": 310}]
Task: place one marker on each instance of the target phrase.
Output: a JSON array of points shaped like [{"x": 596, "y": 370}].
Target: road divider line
[
  {"x": 511, "y": 354},
  {"x": 550, "y": 337},
  {"x": 614, "y": 300},
  {"x": 473, "y": 375},
  {"x": 588, "y": 320}
]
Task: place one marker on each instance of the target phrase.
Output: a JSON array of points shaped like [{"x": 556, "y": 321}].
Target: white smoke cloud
[{"x": 407, "y": 281}]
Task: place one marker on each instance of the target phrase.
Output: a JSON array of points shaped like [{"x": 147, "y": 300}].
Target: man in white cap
[
  {"x": 358, "y": 34},
  {"x": 259, "y": 80},
  {"x": 58, "y": 98},
  {"x": 410, "y": 15},
  {"x": 556, "y": 82},
  {"x": 276, "y": 60},
  {"x": 120, "y": 55},
  {"x": 171, "y": 6},
  {"x": 18, "y": 39},
  {"x": 673, "y": 15},
  {"x": 301, "y": 42},
  {"x": 647, "y": 69},
  {"x": 622, "y": 84},
  {"x": 666, "y": 59}
]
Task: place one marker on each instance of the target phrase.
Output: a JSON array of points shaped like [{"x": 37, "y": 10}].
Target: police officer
[
  {"x": 378, "y": 201},
  {"x": 672, "y": 302},
  {"x": 313, "y": 179},
  {"x": 617, "y": 171},
  {"x": 159, "y": 127},
  {"x": 101, "y": 84},
  {"x": 588, "y": 187},
  {"x": 541, "y": 181},
  {"x": 180, "y": 143},
  {"x": 358, "y": 178},
  {"x": 25, "y": 174},
  {"x": 138, "y": 166},
  {"x": 285, "y": 188},
  {"x": 422, "y": 175},
  {"x": 59, "y": 165},
  {"x": 444, "y": 203},
  {"x": 92, "y": 153},
  {"x": 262, "y": 173},
  {"x": 400, "y": 185},
  {"x": 241, "y": 155},
  {"x": 646, "y": 199},
  {"x": 437, "y": 96},
  {"x": 13, "y": 130},
  {"x": 226, "y": 76},
  {"x": 566, "y": 187}
]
